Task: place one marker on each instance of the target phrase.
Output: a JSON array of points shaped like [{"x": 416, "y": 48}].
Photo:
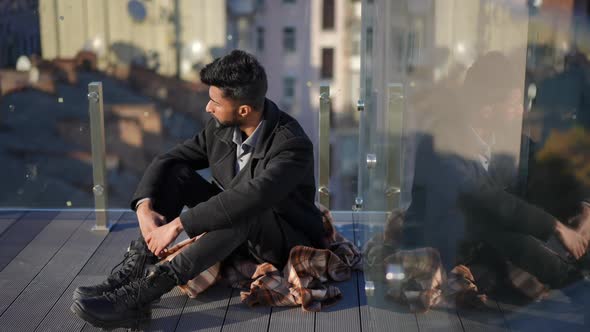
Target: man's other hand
[
  {"x": 161, "y": 237},
  {"x": 572, "y": 240},
  {"x": 149, "y": 219}
]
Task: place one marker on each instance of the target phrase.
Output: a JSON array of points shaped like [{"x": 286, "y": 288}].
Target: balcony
[{"x": 45, "y": 255}]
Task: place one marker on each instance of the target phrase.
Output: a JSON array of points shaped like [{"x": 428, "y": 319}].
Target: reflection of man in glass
[
  {"x": 463, "y": 192},
  {"x": 262, "y": 202}
]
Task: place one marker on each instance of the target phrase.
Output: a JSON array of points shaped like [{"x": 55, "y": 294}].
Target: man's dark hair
[{"x": 240, "y": 76}]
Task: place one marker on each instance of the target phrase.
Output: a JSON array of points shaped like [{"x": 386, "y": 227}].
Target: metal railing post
[
  {"x": 97, "y": 134},
  {"x": 324, "y": 147},
  {"x": 395, "y": 112}
]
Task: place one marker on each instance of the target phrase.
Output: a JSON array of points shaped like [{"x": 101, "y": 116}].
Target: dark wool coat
[{"x": 279, "y": 176}]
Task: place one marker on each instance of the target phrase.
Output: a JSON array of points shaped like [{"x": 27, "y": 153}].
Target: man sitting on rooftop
[{"x": 261, "y": 202}]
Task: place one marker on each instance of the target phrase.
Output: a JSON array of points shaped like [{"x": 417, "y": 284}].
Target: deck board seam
[
  {"x": 181, "y": 312},
  {"x": 506, "y": 324},
  {"x": 460, "y": 319},
  {"x": 100, "y": 244},
  {"x": 231, "y": 294},
  {"x": 31, "y": 240},
  {"x": 77, "y": 274},
  {"x": 13, "y": 222},
  {"x": 44, "y": 265},
  {"x": 268, "y": 323}
]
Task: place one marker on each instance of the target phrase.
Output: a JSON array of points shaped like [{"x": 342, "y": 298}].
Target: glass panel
[
  {"x": 148, "y": 54},
  {"x": 477, "y": 112}
]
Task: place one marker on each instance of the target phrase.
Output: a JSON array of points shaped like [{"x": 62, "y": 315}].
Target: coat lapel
[
  {"x": 271, "y": 116},
  {"x": 244, "y": 175},
  {"x": 224, "y": 169}
]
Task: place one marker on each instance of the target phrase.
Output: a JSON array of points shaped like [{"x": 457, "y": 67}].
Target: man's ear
[{"x": 244, "y": 110}]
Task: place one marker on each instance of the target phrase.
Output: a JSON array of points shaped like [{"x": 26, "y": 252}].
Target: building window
[
  {"x": 415, "y": 42},
  {"x": 289, "y": 39},
  {"x": 328, "y": 15},
  {"x": 260, "y": 38},
  {"x": 288, "y": 88},
  {"x": 369, "y": 41},
  {"x": 327, "y": 69}
]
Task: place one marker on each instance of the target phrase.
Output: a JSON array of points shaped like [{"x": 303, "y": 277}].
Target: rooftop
[{"x": 45, "y": 255}]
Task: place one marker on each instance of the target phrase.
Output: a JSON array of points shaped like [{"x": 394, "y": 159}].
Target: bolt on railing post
[{"x": 97, "y": 132}]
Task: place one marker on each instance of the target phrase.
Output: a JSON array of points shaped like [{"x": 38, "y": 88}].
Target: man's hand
[
  {"x": 149, "y": 219},
  {"x": 161, "y": 237},
  {"x": 572, "y": 240}
]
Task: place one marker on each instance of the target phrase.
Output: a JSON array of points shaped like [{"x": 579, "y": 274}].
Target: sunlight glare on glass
[
  {"x": 394, "y": 272},
  {"x": 460, "y": 47}
]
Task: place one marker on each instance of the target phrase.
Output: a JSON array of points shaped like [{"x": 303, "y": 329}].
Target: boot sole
[
  {"x": 79, "y": 296},
  {"x": 133, "y": 323}
]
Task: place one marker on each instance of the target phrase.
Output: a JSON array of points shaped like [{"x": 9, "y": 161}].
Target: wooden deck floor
[{"x": 45, "y": 255}]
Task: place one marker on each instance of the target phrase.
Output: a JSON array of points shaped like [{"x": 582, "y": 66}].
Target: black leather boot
[
  {"x": 133, "y": 266},
  {"x": 128, "y": 305}
]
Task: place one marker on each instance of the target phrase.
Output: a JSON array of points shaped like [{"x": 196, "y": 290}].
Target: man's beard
[{"x": 232, "y": 123}]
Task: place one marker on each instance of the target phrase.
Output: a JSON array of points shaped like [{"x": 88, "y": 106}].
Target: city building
[{"x": 174, "y": 37}]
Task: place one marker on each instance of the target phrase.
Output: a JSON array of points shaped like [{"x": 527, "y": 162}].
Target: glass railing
[
  {"x": 475, "y": 141},
  {"x": 147, "y": 55},
  {"x": 458, "y": 129}
]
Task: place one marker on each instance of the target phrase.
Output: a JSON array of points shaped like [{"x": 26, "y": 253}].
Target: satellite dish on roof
[{"x": 137, "y": 10}]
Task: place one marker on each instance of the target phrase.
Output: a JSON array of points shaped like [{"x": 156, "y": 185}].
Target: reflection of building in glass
[
  {"x": 19, "y": 30},
  {"x": 169, "y": 36},
  {"x": 302, "y": 44},
  {"x": 420, "y": 49}
]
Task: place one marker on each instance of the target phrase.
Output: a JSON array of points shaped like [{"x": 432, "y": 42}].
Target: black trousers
[
  {"x": 528, "y": 249},
  {"x": 263, "y": 236}
]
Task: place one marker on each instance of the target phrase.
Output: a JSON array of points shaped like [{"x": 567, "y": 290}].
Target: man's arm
[
  {"x": 485, "y": 196},
  {"x": 284, "y": 172},
  {"x": 511, "y": 209},
  {"x": 516, "y": 214},
  {"x": 192, "y": 151}
]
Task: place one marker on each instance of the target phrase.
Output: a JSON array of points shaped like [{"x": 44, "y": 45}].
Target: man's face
[
  {"x": 506, "y": 112},
  {"x": 224, "y": 110},
  {"x": 511, "y": 109}
]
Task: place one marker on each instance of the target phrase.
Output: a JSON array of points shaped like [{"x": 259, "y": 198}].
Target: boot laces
[
  {"x": 129, "y": 295},
  {"x": 125, "y": 264}
]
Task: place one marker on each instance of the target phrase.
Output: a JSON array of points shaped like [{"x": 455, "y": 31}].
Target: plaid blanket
[
  {"x": 417, "y": 277},
  {"x": 303, "y": 281}
]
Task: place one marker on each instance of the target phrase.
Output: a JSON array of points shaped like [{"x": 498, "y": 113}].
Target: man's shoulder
[{"x": 289, "y": 128}]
